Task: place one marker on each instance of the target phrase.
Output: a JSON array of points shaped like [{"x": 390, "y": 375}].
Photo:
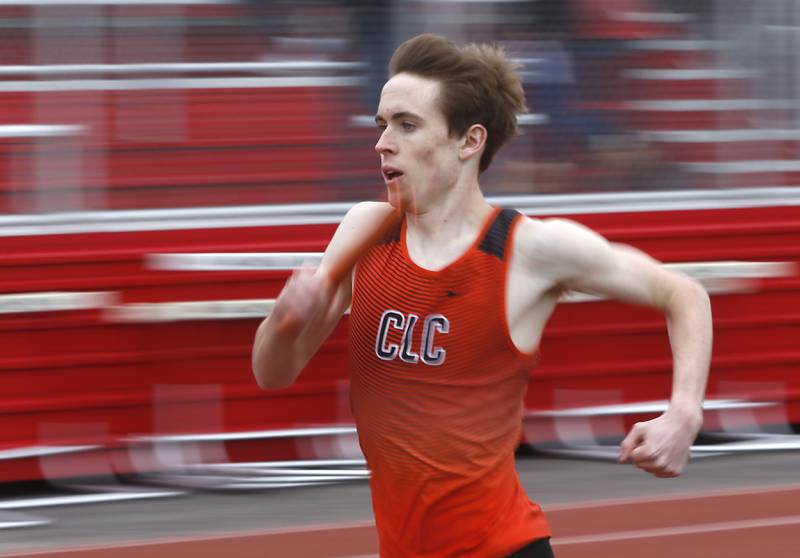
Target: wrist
[{"x": 689, "y": 413}]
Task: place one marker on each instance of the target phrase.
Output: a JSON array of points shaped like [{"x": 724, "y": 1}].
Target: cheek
[
  {"x": 445, "y": 161},
  {"x": 436, "y": 158},
  {"x": 427, "y": 155},
  {"x": 435, "y": 145},
  {"x": 442, "y": 157}
]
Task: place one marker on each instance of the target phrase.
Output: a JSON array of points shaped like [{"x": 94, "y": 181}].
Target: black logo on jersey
[{"x": 428, "y": 352}]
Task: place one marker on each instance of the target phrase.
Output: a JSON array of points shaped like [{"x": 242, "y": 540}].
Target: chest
[{"x": 405, "y": 314}]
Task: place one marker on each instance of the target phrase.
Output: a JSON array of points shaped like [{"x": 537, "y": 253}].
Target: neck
[{"x": 451, "y": 223}]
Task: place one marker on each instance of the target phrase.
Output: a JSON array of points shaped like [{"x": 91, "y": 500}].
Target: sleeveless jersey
[{"x": 437, "y": 390}]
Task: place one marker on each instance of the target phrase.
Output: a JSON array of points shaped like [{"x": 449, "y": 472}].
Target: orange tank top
[{"x": 437, "y": 390}]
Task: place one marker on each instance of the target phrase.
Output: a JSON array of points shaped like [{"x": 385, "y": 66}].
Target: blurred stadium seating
[{"x": 132, "y": 130}]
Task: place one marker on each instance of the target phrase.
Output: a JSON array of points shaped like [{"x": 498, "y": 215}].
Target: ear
[{"x": 473, "y": 142}]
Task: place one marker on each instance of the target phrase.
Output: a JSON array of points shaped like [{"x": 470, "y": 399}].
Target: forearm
[
  {"x": 275, "y": 358},
  {"x": 280, "y": 353},
  {"x": 690, "y": 333}
]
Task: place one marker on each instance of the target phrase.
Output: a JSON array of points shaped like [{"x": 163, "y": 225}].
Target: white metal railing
[
  {"x": 49, "y": 70},
  {"x": 319, "y": 213}
]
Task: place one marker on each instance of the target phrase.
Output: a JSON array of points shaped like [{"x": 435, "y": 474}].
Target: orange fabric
[{"x": 439, "y": 421}]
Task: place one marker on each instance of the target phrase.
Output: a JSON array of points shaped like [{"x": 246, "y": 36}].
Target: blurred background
[
  {"x": 164, "y": 164},
  {"x": 132, "y": 105}
]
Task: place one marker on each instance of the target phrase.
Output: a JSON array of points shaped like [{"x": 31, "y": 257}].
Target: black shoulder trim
[{"x": 495, "y": 240}]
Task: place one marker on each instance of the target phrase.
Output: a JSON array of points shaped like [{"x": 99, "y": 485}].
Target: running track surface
[{"x": 762, "y": 522}]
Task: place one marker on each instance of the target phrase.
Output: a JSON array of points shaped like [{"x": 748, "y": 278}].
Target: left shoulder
[
  {"x": 575, "y": 258},
  {"x": 553, "y": 229},
  {"x": 557, "y": 242}
]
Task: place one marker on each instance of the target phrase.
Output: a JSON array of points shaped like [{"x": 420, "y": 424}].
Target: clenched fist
[{"x": 662, "y": 446}]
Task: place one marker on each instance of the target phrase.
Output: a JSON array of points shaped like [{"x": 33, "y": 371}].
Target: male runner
[{"x": 448, "y": 310}]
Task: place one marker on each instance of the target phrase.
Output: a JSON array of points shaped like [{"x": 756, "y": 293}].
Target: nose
[{"x": 385, "y": 145}]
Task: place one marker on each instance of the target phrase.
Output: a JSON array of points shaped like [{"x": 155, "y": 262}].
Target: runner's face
[{"x": 419, "y": 159}]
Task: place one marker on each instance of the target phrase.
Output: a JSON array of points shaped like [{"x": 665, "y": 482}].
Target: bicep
[
  {"x": 356, "y": 233},
  {"x": 341, "y": 294},
  {"x": 352, "y": 236},
  {"x": 624, "y": 273},
  {"x": 314, "y": 337},
  {"x": 579, "y": 259}
]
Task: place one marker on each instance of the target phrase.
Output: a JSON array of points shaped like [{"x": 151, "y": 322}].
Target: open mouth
[{"x": 391, "y": 174}]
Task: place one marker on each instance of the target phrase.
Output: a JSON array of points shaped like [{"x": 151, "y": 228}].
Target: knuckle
[{"x": 644, "y": 453}]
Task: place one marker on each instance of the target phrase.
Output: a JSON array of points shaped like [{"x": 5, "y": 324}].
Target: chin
[
  {"x": 408, "y": 205},
  {"x": 403, "y": 200},
  {"x": 392, "y": 197}
]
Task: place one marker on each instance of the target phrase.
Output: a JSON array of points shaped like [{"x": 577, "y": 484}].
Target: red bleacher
[{"x": 107, "y": 368}]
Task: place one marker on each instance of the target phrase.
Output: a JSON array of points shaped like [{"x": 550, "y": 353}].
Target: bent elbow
[
  {"x": 692, "y": 295},
  {"x": 271, "y": 381},
  {"x": 700, "y": 294},
  {"x": 683, "y": 294}
]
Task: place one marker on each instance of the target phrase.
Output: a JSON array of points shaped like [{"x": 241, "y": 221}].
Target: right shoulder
[
  {"x": 360, "y": 222},
  {"x": 356, "y": 231},
  {"x": 366, "y": 213}
]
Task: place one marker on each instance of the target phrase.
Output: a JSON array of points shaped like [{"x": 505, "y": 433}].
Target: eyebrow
[{"x": 398, "y": 116}]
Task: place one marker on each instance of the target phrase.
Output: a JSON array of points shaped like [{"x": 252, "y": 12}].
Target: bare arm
[
  {"x": 279, "y": 354},
  {"x": 311, "y": 303},
  {"x": 576, "y": 258}
]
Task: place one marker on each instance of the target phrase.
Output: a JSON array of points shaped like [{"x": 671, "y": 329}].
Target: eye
[{"x": 408, "y": 126}]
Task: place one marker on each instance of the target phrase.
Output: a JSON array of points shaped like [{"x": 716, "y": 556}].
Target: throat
[
  {"x": 435, "y": 248},
  {"x": 436, "y": 257}
]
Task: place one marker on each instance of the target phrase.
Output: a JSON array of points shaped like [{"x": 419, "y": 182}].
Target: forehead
[{"x": 410, "y": 93}]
